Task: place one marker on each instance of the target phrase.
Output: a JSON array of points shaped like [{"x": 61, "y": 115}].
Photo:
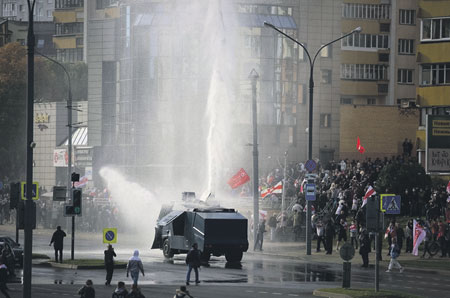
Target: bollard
[{"x": 346, "y": 275}]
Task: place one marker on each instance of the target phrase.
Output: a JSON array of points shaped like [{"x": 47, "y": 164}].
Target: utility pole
[
  {"x": 254, "y": 77},
  {"x": 283, "y": 194},
  {"x": 28, "y": 229}
]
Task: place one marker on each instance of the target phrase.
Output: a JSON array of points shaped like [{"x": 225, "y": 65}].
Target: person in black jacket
[
  {"x": 58, "y": 243},
  {"x": 364, "y": 247},
  {"x": 329, "y": 235},
  {"x": 109, "y": 263},
  {"x": 193, "y": 262},
  {"x": 87, "y": 291}
]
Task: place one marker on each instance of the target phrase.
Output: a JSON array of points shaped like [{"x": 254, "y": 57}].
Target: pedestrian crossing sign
[
  {"x": 390, "y": 203},
  {"x": 110, "y": 235}
]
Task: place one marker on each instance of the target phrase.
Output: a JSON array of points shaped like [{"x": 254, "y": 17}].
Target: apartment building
[
  {"x": 17, "y": 10},
  {"x": 69, "y": 38},
  {"x": 433, "y": 58}
]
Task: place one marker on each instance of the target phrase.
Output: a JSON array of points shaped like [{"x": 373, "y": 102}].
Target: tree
[{"x": 50, "y": 85}]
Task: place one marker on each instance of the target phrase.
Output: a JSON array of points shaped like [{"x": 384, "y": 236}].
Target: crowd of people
[{"x": 338, "y": 212}]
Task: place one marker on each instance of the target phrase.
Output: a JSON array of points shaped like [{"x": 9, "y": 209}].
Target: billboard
[{"x": 438, "y": 144}]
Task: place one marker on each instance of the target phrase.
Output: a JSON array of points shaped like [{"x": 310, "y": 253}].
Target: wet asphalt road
[{"x": 256, "y": 276}]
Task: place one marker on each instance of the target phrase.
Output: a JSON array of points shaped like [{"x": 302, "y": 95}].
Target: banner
[
  {"x": 370, "y": 192},
  {"x": 418, "y": 236},
  {"x": 278, "y": 188},
  {"x": 240, "y": 178}
]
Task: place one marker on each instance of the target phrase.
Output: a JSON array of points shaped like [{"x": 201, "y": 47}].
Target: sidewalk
[{"x": 297, "y": 250}]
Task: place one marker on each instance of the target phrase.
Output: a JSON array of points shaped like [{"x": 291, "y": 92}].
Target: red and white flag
[
  {"x": 240, "y": 178},
  {"x": 418, "y": 237},
  {"x": 359, "y": 147},
  {"x": 277, "y": 188},
  {"x": 83, "y": 181},
  {"x": 370, "y": 192}
]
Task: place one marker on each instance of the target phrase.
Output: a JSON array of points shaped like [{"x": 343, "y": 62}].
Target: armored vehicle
[{"x": 217, "y": 231}]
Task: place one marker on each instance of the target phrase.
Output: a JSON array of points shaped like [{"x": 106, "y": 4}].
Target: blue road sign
[
  {"x": 310, "y": 165},
  {"x": 390, "y": 204},
  {"x": 310, "y": 193},
  {"x": 110, "y": 235}
]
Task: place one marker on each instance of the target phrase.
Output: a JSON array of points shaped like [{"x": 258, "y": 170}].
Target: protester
[
  {"x": 320, "y": 233},
  {"x": 329, "y": 235},
  {"x": 193, "y": 262},
  {"x": 409, "y": 236},
  {"x": 354, "y": 235},
  {"x": 134, "y": 266},
  {"x": 135, "y": 292},
  {"x": 296, "y": 225},
  {"x": 427, "y": 241},
  {"x": 182, "y": 292},
  {"x": 58, "y": 243},
  {"x": 120, "y": 291},
  {"x": 364, "y": 247},
  {"x": 342, "y": 232},
  {"x": 395, "y": 252},
  {"x": 109, "y": 263},
  {"x": 272, "y": 225},
  {"x": 260, "y": 235},
  {"x": 87, "y": 291}
]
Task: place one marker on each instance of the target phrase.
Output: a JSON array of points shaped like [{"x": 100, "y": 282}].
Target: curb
[
  {"x": 81, "y": 267},
  {"x": 330, "y": 295}
]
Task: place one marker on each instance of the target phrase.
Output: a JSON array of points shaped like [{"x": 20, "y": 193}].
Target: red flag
[
  {"x": 359, "y": 147},
  {"x": 370, "y": 191},
  {"x": 240, "y": 178}
]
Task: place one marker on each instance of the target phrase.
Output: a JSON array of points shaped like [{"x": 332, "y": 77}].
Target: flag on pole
[
  {"x": 277, "y": 188},
  {"x": 359, "y": 147},
  {"x": 370, "y": 192},
  {"x": 240, "y": 178},
  {"x": 418, "y": 236}
]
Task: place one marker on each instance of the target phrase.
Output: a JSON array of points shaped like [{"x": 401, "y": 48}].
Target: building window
[
  {"x": 69, "y": 55},
  {"x": 325, "y": 120},
  {"x": 405, "y": 76},
  {"x": 49, "y": 14},
  {"x": 435, "y": 29},
  {"x": 374, "y": 72},
  {"x": 371, "y": 101},
  {"x": 326, "y": 76},
  {"x": 407, "y": 17},
  {"x": 68, "y": 28},
  {"x": 406, "y": 46},
  {"x": 368, "y": 41},
  {"x": 300, "y": 51},
  {"x": 366, "y": 11},
  {"x": 326, "y": 52},
  {"x": 79, "y": 41},
  {"x": 435, "y": 74},
  {"x": 406, "y": 102},
  {"x": 346, "y": 101},
  {"x": 383, "y": 88},
  {"x": 67, "y": 3}
]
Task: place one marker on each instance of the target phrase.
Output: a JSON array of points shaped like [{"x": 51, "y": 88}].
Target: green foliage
[{"x": 396, "y": 177}]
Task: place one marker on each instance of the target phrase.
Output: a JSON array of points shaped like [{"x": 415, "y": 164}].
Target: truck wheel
[
  {"x": 167, "y": 251},
  {"x": 233, "y": 256}
]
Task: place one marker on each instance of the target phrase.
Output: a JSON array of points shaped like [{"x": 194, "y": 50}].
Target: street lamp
[{"x": 310, "y": 127}]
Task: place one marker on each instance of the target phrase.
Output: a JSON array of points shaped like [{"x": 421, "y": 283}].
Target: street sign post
[
  {"x": 390, "y": 203},
  {"x": 310, "y": 165},
  {"x": 59, "y": 193},
  {"x": 310, "y": 194},
  {"x": 34, "y": 191},
  {"x": 110, "y": 235}
]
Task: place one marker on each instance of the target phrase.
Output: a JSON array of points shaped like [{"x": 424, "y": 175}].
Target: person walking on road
[
  {"x": 193, "y": 262},
  {"x": 58, "y": 243},
  {"x": 182, "y": 293},
  {"x": 3, "y": 278},
  {"x": 120, "y": 291},
  {"x": 395, "y": 252},
  {"x": 109, "y": 263},
  {"x": 87, "y": 291},
  {"x": 134, "y": 266}
]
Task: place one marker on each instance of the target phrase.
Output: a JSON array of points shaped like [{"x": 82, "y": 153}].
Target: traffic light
[
  {"x": 14, "y": 195},
  {"x": 76, "y": 201},
  {"x": 372, "y": 216}
]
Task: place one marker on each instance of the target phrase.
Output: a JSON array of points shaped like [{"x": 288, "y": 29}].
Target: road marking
[
  {"x": 261, "y": 292},
  {"x": 249, "y": 291},
  {"x": 293, "y": 295},
  {"x": 276, "y": 293}
]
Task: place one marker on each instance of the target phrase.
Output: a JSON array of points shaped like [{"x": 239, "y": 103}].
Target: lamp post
[
  {"x": 69, "y": 148},
  {"x": 310, "y": 127},
  {"x": 28, "y": 229},
  {"x": 254, "y": 77}
]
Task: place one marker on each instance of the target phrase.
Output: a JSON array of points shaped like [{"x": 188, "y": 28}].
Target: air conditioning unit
[{"x": 408, "y": 103}]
